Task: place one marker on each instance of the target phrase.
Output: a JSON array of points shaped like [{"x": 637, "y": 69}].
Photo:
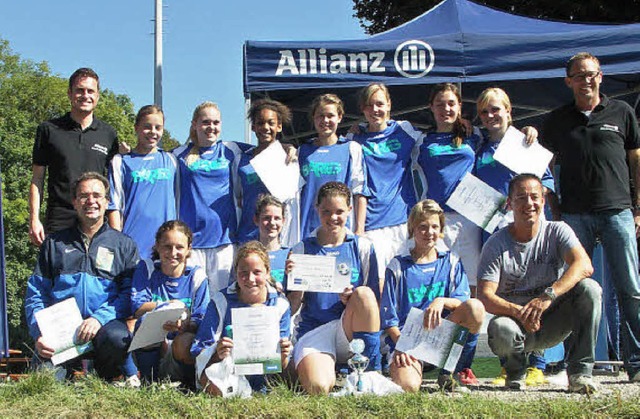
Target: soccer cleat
[
  {"x": 516, "y": 385},
  {"x": 467, "y": 377},
  {"x": 450, "y": 383},
  {"x": 535, "y": 377},
  {"x": 500, "y": 380},
  {"x": 582, "y": 384}
]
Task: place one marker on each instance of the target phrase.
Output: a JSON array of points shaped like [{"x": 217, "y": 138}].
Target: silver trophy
[{"x": 358, "y": 362}]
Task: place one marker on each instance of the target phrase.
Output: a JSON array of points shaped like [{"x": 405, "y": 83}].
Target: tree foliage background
[
  {"x": 380, "y": 15},
  {"x": 30, "y": 94}
]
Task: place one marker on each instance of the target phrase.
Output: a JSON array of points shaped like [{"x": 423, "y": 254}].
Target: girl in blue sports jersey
[
  {"x": 166, "y": 278},
  {"x": 206, "y": 201},
  {"x": 254, "y": 287},
  {"x": 329, "y": 321},
  {"x": 329, "y": 157},
  {"x": 430, "y": 280},
  {"x": 142, "y": 179},
  {"x": 388, "y": 146},
  {"x": 267, "y": 117},
  {"x": 494, "y": 110},
  {"x": 445, "y": 157},
  {"x": 269, "y": 217}
]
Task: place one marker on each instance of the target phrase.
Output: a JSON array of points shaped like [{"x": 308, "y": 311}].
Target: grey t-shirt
[{"x": 524, "y": 270}]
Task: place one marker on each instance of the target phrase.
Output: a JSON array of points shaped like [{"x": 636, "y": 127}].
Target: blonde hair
[
  {"x": 254, "y": 247},
  {"x": 364, "y": 96},
  {"x": 324, "y": 100},
  {"x": 194, "y": 153},
  {"x": 458, "y": 131},
  {"x": 494, "y": 93},
  {"x": 421, "y": 211}
]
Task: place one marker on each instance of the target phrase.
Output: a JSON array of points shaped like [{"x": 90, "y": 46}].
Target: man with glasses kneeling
[{"x": 94, "y": 264}]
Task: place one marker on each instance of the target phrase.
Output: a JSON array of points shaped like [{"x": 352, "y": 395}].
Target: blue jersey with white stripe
[
  {"x": 250, "y": 187},
  {"x": 143, "y": 190},
  {"x": 441, "y": 165},
  {"x": 495, "y": 174},
  {"x": 277, "y": 259},
  {"x": 341, "y": 162},
  {"x": 409, "y": 284},
  {"x": 192, "y": 288},
  {"x": 356, "y": 256},
  {"x": 218, "y": 316},
  {"x": 388, "y": 156},
  {"x": 206, "y": 201}
]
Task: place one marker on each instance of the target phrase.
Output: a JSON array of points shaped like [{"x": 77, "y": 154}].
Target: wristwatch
[{"x": 549, "y": 292}]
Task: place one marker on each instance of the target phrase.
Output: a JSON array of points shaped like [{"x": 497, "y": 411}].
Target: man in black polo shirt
[
  {"x": 597, "y": 144},
  {"x": 68, "y": 146}
]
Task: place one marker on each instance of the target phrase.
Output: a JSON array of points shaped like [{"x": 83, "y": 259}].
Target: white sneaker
[
  {"x": 582, "y": 384},
  {"x": 130, "y": 382}
]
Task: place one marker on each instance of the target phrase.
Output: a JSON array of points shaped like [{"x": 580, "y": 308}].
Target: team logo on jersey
[
  {"x": 486, "y": 160},
  {"x": 414, "y": 59},
  {"x": 202, "y": 165},
  {"x": 151, "y": 175},
  {"x": 320, "y": 168},
  {"x": 381, "y": 148},
  {"x": 343, "y": 269},
  {"x": 443, "y": 150},
  {"x": 424, "y": 293},
  {"x": 252, "y": 178}
]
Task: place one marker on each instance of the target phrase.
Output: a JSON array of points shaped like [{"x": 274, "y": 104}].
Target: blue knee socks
[{"x": 371, "y": 349}]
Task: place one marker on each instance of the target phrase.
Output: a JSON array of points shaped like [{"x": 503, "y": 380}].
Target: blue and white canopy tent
[{"x": 456, "y": 41}]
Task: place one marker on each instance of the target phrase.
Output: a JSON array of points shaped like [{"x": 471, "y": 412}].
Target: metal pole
[{"x": 157, "y": 79}]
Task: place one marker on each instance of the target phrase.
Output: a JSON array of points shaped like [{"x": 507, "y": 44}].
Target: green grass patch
[{"x": 41, "y": 396}]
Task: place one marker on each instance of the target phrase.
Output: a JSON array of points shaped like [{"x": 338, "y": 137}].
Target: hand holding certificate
[
  {"x": 317, "y": 274},
  {"x": 151, "y": 330},
  {"x": 256, "y": 340},
  {"x": 478, "y": 202},
  {"x": 58, "y": 325},
  {"x": 521, "y": 158},
  {"x": 441, "y": 346},
  {"x": 281, "y": 179}
]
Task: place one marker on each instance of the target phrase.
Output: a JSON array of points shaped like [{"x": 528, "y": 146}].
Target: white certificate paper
[
  {"x": 521, "y": 158},
  {"x": 256, "y": 340},
  {"x": 441, "y": 346},
  {"x": 58, "y": 325},
  {"x": 151, "y": 329},
  {"x": 318, "y": 274},
  {"x": 478, "y": 202},
  {"x": 281, "y": 179}
]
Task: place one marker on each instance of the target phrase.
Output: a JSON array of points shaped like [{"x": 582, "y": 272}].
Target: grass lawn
[{"x": 41, "y": 396}]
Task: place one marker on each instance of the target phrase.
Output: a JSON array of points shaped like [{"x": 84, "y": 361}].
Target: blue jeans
[{"x": 616, "y": 231}]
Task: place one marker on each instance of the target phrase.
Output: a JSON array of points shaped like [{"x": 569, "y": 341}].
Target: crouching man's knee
[{"x": 505, "y": 336}]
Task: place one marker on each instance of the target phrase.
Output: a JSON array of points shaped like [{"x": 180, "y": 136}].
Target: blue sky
[{"x": 202, "y": 45}]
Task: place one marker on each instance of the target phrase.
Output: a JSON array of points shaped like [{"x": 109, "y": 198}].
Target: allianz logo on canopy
[{"x": 411, "y": 59}]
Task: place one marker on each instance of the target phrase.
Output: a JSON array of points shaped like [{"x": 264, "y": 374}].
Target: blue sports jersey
[
  {"x": 341, "y": 162},
  {"x": 387, "y": 156},
  {"x": 409, "y": 284},
  {"x": 356, "y": 254},
  {"x": 495, "y": 174},
  {"x": 213, "y": 326},
  {"x": 277, "y": 259},
  {"x": 441, "y": 165},
  {"x": 250, "y": 187},
  {"x": 192, "y": 288},
  {"x": 143, "y": 190},
  {"x": 206, "y": 202}
]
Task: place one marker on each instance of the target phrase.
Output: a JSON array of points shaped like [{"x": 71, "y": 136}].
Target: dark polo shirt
[
  {"x": 68, "y": 151},
  {"x": 592, "y": 153}
]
